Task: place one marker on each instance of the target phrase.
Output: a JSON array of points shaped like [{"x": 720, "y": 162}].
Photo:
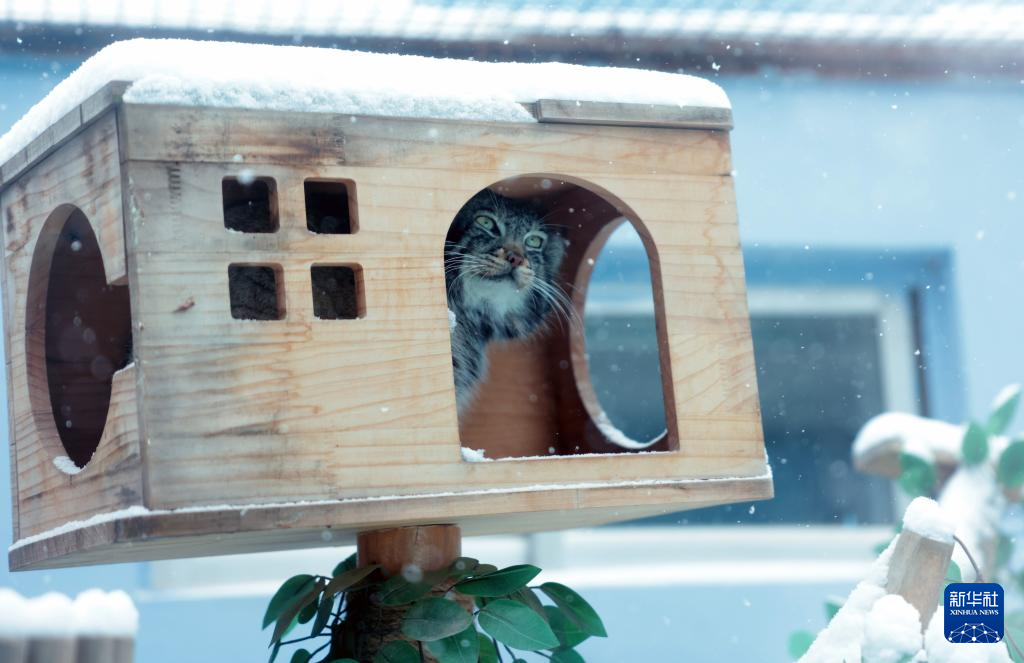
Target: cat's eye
[
  {"x": 534, "y": 241},
  {"x": 485, "y": 222}
]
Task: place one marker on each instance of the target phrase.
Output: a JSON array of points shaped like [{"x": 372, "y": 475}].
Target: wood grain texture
[
  {"x": 917, "y": 570},
  {"x": 82, "y": 174},
  {"x": 639, "y": 115},
  {"x": 306, "y": 409},
  {"x": 61, "y": 131},
  {"x": 256, "y": 528},
  {"x": 428, "y": 547},
  {"x": 293, "y": 411}
]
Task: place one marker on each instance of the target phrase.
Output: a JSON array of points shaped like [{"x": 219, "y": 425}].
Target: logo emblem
[{"x": 974, "y": 612}]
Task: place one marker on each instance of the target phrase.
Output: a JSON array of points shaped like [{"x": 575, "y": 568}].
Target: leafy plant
[{"x": 467, "y": 613}]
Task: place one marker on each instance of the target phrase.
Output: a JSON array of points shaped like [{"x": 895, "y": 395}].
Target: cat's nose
[{"x": 515, "y": 258}]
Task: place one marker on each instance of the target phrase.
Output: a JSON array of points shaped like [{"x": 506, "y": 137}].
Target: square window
[
  {"x": 250, "y": 204},
  {"x": 337, "y": 292},
  {"x": 256, "y": 292},
  {"x": 330, "y": 209}
]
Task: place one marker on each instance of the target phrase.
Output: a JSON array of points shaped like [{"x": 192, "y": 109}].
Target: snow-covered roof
[{"x": 293, "y": 78}]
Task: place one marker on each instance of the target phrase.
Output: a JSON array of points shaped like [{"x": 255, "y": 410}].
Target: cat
[{"x": 501, "y": 270}]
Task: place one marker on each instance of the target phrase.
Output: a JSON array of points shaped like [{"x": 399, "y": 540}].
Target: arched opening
[
  {"x": 537, "y": 397},
  {"x": 78, "y": 333}
]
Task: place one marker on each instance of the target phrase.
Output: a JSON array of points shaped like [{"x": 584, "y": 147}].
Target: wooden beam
[{"x": 636, "y": 115}]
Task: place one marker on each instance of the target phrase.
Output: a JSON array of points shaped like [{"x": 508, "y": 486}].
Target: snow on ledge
[
  {"x": 294, "y": 78},
  {"x": 66, "y": 465},
  {"x": 138, "y": 511}
]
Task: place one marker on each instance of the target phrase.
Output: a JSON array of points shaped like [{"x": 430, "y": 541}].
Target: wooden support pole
[
  {"x": 413, "y": 551},
  {"x": 917, "y": 570},
  {"x": 430, "y": 548}
]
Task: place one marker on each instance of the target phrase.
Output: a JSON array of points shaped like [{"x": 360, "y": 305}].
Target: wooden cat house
[{"x": 162, "y": 405}]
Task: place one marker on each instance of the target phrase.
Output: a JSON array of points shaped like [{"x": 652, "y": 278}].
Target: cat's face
[{"x": 504, "y": 242}]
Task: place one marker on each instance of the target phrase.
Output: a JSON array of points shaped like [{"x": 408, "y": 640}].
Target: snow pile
[
  {"x": 48, "y": 616},
  {"x": 12, "y": 613},
  {"x": 843, "y": 637},
  {"x": 293, "y": 78},
  {"x": 940, "y": 650},
  {"x": 927, "y": 518},
  {"x": 927, "y": 438},
  {"x": 53, "y": 615},
  {"x": 616, "y": 436},
  {"x": 66, "y": 465},
  {"x": 892, "y": 631},
  {"x": 474, "y": 455},
  {"x": 112, "y": 614}
]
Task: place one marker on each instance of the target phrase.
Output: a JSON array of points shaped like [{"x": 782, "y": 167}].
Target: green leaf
[
  {"x": 488, "y": 654},
  {"x": 575, "y": 608},
  {"x": 345, "y": 660},
  {"x": 289, "y": 616},
  {"x": 975, "y": 445},
  {"x": 462, "y": 647},
  {"x": 397, "y": 651},
  {"x": 273, "y": 653},
  {"x": 1010, "y": 469},
  {"x": 462, "y": 567},
  {"x": 396, "y": 590},
  {"x": 435, "y": 618},
  {"x": 292, "y": 586},
  {"x": 323, "y": 614},
  {"x": 529, "y": 597},
  {"x": 799, "y": 643},
  {"x": 346, "y": 564},
  {"x": 1003, "y": 409},
  {"x": 484, "y": 569},
  {"x": 568, "y": 633},
  {"x": 499, "y": 583},
  {"x": 918, "y": 475},
  {"x": 516, "y": 625},
  {"x": 953, "y": 573},
  {"x": 307, "y": 614},
  {"x": 566, "y": 656},
  {"x": 342, "y": 581},
  {"x": 1004, "y": 549},
  {"x": 301, "y": 656},
  {"x": 832, "y": 606}
]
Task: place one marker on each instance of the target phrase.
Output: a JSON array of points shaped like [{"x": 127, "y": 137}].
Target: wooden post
[
  {"x": 410, "y": 550},
  {"x": 917, "y": 569}
]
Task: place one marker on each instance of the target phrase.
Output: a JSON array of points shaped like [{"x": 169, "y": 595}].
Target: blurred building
[{"x": 878, "y": 157}]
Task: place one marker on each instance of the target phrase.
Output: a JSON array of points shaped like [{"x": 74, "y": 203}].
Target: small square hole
[
  {"x": 330, "y": 209},
  {"x": 256, "y": 292},
  {"x": 250, "y": 204},
  {"x": 337, "y": 292}
]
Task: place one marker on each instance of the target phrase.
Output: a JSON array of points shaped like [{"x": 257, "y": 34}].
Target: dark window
[
  {"x": 256, "y": 292},
  {"x": 336, "y": 292},
  {"x": 329, "y": 208},
  {"x": 250, "y": 204}
]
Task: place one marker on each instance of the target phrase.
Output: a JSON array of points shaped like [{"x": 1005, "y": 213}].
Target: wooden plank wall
[
  {"x": 302, "y": 408},
  {"x": 83, "y": 173}
]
